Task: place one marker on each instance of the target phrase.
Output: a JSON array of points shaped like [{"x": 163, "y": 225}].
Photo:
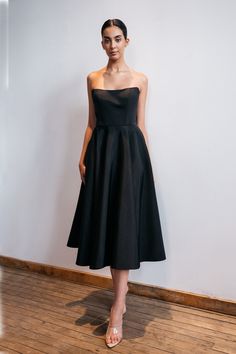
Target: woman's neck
[{"x": 114, "y": 67}]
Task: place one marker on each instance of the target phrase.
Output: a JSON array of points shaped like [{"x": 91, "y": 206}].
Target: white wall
[{"x": 187, "y": 49}]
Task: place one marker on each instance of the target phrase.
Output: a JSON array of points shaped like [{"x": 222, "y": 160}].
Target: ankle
[{"x": 118, "y": 307}]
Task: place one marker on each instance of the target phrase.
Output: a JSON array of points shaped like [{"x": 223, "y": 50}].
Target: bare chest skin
[{"x": 117, "y": 80}]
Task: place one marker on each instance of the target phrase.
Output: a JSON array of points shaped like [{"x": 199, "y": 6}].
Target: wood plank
[
  {"x": 143, "y": 308},
  {"x": 145, "y": 316},
  {"x": 84, "y": 333},
  {"x": 49, "y": 315},
  {"x": 18, "y": 347},
  {"x": 51, "y": 344},
  {"x": 151, "y": 336},
  {"x": 5, "y": 350}
]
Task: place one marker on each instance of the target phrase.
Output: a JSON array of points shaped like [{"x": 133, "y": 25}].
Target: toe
[{"x": 108, "y": 339}]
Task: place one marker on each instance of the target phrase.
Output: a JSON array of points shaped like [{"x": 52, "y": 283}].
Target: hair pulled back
[{"x": 115, "y": 22}]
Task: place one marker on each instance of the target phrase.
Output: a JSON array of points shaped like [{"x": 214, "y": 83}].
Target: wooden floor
[{"x": 44, "y": 314}]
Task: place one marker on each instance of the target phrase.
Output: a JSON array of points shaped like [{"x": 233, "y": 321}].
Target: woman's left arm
[{"x": 141, "y": 107}]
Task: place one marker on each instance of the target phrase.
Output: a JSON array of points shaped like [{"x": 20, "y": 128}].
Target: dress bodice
[{"x": 116, "y": 107}]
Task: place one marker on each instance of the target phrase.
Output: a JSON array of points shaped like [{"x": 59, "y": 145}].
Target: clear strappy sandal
[{"x": 114, "y": 329}]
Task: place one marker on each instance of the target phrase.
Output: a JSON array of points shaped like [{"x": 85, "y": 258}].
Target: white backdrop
[{"x": 187, "y": 50}]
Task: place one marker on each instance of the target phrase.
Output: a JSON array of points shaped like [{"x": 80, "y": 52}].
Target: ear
[{"x": 127, "y": 41}]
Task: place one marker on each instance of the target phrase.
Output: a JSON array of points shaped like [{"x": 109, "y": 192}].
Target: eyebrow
[{"x": 119, "y": 35}]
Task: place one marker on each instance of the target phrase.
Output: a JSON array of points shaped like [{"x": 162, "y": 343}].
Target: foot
[
  {"x": 113, "y": 335},
  {"x": 114, "y": 330}
]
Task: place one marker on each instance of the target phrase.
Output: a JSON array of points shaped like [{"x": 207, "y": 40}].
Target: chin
[{"x": 114, "y": 57}]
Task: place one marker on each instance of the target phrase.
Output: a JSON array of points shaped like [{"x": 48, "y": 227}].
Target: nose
[{"x": 113, "y": 44}]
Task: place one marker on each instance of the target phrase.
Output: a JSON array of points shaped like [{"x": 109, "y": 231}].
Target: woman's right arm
[{"x": 89, "y": 129}]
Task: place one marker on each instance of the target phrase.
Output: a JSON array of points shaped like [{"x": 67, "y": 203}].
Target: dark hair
[{"x": 115, "y": 22}]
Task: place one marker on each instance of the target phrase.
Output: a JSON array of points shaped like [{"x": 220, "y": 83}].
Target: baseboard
[{"x": 169, "y": 295}]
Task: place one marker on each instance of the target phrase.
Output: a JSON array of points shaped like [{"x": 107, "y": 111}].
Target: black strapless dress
[{"x": 116, "y": 221}]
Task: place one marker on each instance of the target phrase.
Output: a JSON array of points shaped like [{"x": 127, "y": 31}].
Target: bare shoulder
[
  {"x": 141, "y": 79},
  {"x": 91, "y": 77},
  {"x": 94, "y": 76}
]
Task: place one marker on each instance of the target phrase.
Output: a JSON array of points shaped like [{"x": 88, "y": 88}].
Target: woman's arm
[
  {"x": 89, "y": 129},
  {"x": 141, "y": 107}
]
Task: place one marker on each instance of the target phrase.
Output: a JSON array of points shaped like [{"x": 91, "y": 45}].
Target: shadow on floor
[{"x": 140, "y": 311}]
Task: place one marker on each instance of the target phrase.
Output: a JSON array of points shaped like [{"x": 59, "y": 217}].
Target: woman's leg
[
  {"x": 120, "y": 286},
  {"x": 120, "y": 280}
]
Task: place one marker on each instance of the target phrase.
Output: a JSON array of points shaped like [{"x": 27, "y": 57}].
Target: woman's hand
[{"x": 82, "y": 169}]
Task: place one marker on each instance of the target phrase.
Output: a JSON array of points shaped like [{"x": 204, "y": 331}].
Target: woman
[{"x": 116, "y": 222}]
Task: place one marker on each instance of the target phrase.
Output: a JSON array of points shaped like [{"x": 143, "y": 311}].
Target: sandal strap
[
  {"x": 114, "y": 326},
  {"x": 114, "y": 329}
]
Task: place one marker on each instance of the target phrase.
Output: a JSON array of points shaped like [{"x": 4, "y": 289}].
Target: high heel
[{"x": 114, "y": 330}]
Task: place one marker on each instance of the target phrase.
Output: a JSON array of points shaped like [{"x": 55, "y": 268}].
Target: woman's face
[{"x": 114, "y": 42}]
